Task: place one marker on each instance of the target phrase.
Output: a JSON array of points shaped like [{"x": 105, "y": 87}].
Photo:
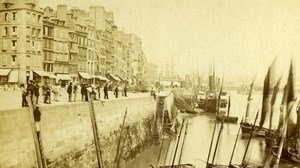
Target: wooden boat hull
[
  {"x": 287, "y": 155},
  {"x": 233, "y": 166},
  {"x": 179, "y": 166},
  {"x": 209, "y": 105},
  {"x": 247, "y": 127},
  {"x": 231, "y": 119}
]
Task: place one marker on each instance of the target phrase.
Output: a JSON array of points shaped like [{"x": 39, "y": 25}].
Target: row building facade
[{"x": 66, "y": 46}]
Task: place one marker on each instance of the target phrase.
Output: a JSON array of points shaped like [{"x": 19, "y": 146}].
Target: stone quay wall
[{"x": 66, "y": 134}]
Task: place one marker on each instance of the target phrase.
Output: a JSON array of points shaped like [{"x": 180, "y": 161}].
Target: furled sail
[
  {"x": 269, "y": 83},
  {"x": 265, "y": 103},
  {"x": 248, "y": 102}
]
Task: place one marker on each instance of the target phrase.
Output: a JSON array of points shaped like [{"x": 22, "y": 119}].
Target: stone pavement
[{"x": 12, "y": 99}]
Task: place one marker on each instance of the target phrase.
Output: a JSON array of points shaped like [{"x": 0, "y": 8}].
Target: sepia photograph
[{"x": 149, "y": 84}]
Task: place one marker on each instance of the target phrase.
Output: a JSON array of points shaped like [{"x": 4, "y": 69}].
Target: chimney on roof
[{"x": 62, "y": 12}]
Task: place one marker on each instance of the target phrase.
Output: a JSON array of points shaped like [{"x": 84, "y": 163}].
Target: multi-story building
[
  {"x": 48, "y": 41},
  {"x": 56, "y": 52},
  {"x": 151, "y": 74},
  {"x": 138, "y": 59},
  {"x": 21, "y": 53},
  {"x": 81, "y": 32},
  {"x": 129, "y": 58},
  {"x": 72, "y": 45},
  {"x": 120, "y": 54}
]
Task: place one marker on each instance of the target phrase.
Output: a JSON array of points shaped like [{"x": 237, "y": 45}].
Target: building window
[
  {"x": 39, "y": 18},
  {"x": 14, "y": 15},
  {"x": 4, "y": 45},
  {"x": 33, "y": 32},
  {"x": 5, "y": 17},
  {"x": 33, "y": 17},
  {"x": 6, "y": 5},
  {"x": 13, "y": 58},
  {"x": 38, "y": 32},
  {"x": 28, "y": 31},
  {"x": 14, "y": 29},
  {"x": 27, "y": 45},
  {"x": 6, "y": 31},
  {"x": 46, "y": 31},
  {"x": 14, "y": 43},
  {"x": 32, "y": 45}
]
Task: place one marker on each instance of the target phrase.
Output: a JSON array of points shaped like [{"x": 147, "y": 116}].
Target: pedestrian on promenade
[
  {"x": 93, "y": 94},
  {"x": 105, "y": 90},
  {"x": 89, "y": 89},
  {"x": 30, "y": 91},
  {"x": 75, "y": 90},
  {"x": 55, "y": 91},
  {"x": 47, "y": 93},
  {"x": 37, "y": 92},
  {"x": 24, "y": 102},
  {"x": 69, "y": 90},
  {"x": 99, "y": 90},
  {"x": 125, "y": 90},
  {"x": 116, "y": 91},
  {"x": 83, "y": 92}
]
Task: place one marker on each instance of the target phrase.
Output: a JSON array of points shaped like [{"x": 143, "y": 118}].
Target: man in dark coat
[
  {"x": 36, "y": 92},
  {"x": 125, "y": 91},
  {"x": 116, "y": 91},
  {"x": 83, "y": 92},
  {"x": 47, "y": 93},
  {"x": 105, "y": 90},
  {"x": 69, "y": 90}
]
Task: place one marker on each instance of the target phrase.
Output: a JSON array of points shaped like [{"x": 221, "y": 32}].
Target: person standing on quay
[
  {"x": 24, "y": 102},
  {"x": 47, "y": 93},
  {"x": 83, "y": 92},
  {"x": 75, "y": 89},
  {"x": 105, "y": 90},
  {"x": 116, "y": 91},
  {"x": 69, "y": 90},
  {"x": 37, "y": 92},
  {"x": 125, "y": 90},
  {"x": 99, "y": 90}
]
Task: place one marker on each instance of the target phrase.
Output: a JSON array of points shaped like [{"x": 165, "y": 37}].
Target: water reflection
[{"x": 199, "y": 135}]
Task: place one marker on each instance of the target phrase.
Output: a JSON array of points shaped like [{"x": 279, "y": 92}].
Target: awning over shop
[
  {"x": 113, "y": 77},
  {"x": 52, "y": 76},
  {"x": 13, "y": 76},
  {"x": 63, "y": 77},
  {"x": 93, "y": 76},
  {"x": 102, "y": 78},
  {"x": 4, "y": 72},
  {"x": 41, "y": 73},
  {"x": 84, "y": 75}
]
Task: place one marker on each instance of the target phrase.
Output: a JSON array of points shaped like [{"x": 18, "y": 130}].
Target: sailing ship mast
[
  {"x": 288, "y": 103},
  {"x": 248, "y": 102}
]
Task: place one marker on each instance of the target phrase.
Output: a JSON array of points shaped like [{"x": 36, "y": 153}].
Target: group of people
[
  {"x": 32, "y": 90},
  {"x": 73, "y": 90},
  {"x": 116, "y": 91}
]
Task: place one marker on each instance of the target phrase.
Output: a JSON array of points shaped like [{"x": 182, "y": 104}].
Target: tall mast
[{"x": 248, "y": 101}]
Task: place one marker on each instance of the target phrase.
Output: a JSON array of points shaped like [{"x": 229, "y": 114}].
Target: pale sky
[{"x": 242, "y": 36}]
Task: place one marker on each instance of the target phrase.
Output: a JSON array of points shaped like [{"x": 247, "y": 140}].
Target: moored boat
[
  {"x": 232, "y": 119},
  {"x": 224, "y": 104},
  {"x": 179, "y": 166}
]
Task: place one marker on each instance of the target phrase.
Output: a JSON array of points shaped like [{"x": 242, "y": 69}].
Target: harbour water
[{"x": 198, "y": 138}]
